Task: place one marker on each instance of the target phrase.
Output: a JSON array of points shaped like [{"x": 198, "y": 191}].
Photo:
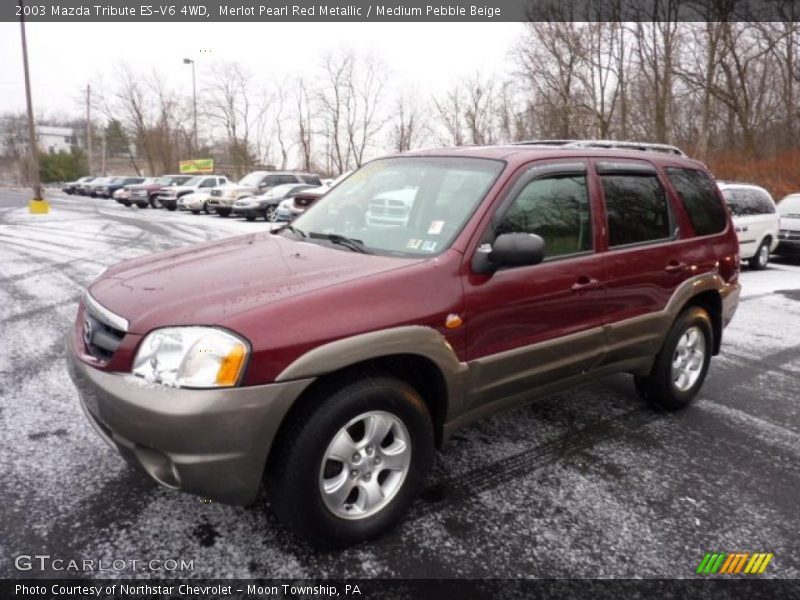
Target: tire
[
  {"x": 195, "y": 212},
  {"x": 342, "y": 411},
  {"x": 761, "y": 258},
  {"x": 207, "y": 209},
  {"x": 171, "y": 207},
  {"x": 223, "y": 212},
  {"x": 126, "y": 203},
  {"x": 155, "y": 202},
  {"x": 144, "y": 204},
  {"x": 271, "y": 214},
  {"x": 681, "y": 366}
]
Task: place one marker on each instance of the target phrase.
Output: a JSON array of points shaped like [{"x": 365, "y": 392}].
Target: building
[{"x": 55, "y": 139}]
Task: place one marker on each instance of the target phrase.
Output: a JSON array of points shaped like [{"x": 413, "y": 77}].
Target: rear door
[
  {"x": 645, "y": 263},
  {"x": 530, "y": 326}
]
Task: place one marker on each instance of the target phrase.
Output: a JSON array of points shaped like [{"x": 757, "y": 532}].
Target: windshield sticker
[
  {"x": 429, "y": 246},
  {"x": 413, "y": 244},
  {"x": 436, "y": 227}
]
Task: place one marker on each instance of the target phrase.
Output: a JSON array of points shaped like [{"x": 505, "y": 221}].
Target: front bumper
[
  {"x": 790, "y": 247},
  {"x": 248, "y": 211},
  {"x": 212, "y": 442}
]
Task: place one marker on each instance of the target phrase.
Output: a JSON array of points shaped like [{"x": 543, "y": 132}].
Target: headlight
[{"x": 193, "y": 357}]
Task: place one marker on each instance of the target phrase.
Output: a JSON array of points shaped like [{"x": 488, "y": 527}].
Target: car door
[
  {"x": 530, "y": 326},
  {"x": 645, "y": 261}
]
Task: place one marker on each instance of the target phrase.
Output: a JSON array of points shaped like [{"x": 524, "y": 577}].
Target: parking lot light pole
[
  {"x": 38, "y": 205},
  {"x": 189, "y": 61}
]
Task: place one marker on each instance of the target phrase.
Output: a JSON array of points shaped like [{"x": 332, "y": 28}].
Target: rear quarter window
[
  {"x": 748, "y": 202},
  {"x": 698, "y": 194}
]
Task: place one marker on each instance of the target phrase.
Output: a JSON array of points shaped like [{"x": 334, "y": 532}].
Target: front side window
[
  {"x": 556, "y": 209},
  {"x": 698, "y": 194},
  {"x": 405, "y": 206},
  {"x": 636, "y": 208}
]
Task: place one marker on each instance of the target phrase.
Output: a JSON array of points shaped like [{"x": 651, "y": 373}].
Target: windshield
[
  {"x": 164, "y": 180},
  {"x": 411, "y": 206},
  {"x": 790, "y": 206},
  {"x": 251, "y": 180},
  {"x": 193, "y": 181}
]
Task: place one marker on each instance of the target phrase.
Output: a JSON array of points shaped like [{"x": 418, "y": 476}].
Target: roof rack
[{"x": 640, "y": 146}]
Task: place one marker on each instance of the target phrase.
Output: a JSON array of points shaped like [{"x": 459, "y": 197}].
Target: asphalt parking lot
[{"x": 591, "y": 483}]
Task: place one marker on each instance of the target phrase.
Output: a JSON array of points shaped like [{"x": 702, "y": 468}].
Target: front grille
[
  {"x": 102, "y": 330},
  {"x": 785, "y": 234},
  {"x": 388, "y": 207},
  {"x": 139, "y": 193},
  {"x": 216, "y": 193}
]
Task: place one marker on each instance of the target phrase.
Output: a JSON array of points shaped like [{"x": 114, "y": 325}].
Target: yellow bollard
[{"x": 38, "y": 206}]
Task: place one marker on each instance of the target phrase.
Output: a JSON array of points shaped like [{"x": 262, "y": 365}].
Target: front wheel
[
  {"x": 682, "y": 364},
  {"x": 761, "y": 258},
  {"x": 352, "y": 464},
  {"x": 271, "y": 214},
  {"x": 155, "y": 202}
]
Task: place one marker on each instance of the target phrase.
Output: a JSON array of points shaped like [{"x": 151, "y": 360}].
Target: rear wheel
[
  {"x": 155, "y": 202},
  {"x": 271, "y": 214},
  {"x": 142, "y": 204},
  {"x": 761, "y": 258},
  {"x": 681, "y": 366},
  {"x": 351, "y": 465}
]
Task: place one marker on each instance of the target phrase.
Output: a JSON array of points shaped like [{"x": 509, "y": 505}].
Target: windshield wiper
[
  {"x": 341, "y": 240},
  {"x": 288, "y": 227}
]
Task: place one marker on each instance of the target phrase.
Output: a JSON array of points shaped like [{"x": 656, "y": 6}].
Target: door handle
[
  {"x": 675, "y": 267},
  {"x": 585, "y": 284}
]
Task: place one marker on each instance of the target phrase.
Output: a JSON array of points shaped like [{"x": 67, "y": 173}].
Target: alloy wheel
[{"x": 365, "y": 465}]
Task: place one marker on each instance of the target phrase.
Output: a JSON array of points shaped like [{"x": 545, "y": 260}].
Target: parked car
[
  {"x": 329, "y": 363},
  {"x": 196, "y": 202},
  {"x": 85, "y": 188},
  {"x": 168, "y": 197},
  {"x": 789, "y": 235},
  {"x": 96, "y": 186},
  {"x": 266, "y": 205},
  {"x": 70, "y": 188},
  {"x": 123, "y": 195},
  {"x": 257, "y": 182},
  {"x": 755, "y": 219},
  {"x": 117, "y": 183},
  {"x": 146, "y": 194},
  {"x": 289, "y": 211}
]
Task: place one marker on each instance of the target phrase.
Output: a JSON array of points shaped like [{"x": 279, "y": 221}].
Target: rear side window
[
  {"x": 636, "y": 209},
  {"x": 555, "y": 208},
  {"x": 698, "y": 194},
  {"x": 748, "y": 202}
]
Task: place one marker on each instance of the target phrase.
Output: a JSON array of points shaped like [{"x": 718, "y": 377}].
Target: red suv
[{"x": 329, "y": 357}]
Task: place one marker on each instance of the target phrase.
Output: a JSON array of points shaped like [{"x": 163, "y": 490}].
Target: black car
[{"x": 266, "y": 204}]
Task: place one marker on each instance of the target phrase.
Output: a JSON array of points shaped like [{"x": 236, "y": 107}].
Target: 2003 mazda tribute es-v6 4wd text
[{"x": 329, "y": 357}]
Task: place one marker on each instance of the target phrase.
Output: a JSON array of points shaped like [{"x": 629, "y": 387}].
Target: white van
[{"x": 755, "y": 219}]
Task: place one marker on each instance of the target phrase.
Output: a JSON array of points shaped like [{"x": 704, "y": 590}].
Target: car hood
[
  {"x": 209, "y": 283},
  {"x": 790, "y": 222},
  {"x": 227, "y": 187}
]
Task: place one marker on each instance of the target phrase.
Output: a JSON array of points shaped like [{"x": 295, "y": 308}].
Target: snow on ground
[{"x": 585, "y": 484}]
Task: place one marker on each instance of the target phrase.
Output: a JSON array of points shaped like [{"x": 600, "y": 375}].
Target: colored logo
[
  {"x": 726, "y": 563},
  {"x": 200, "y": 165}
]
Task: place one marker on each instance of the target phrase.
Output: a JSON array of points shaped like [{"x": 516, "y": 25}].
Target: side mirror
[{"x": 509, "y": 250}]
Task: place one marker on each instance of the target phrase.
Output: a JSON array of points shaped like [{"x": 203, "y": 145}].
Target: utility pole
[
  {"x": 189, "y": 61},
  {"x": 38, "y": 204},
  {"x": 103, "y": 153},
  {"x": 89, "y": 128}
]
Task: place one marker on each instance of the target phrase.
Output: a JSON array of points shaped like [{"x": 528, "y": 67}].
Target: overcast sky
[{"x": 65, "y": 57}]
